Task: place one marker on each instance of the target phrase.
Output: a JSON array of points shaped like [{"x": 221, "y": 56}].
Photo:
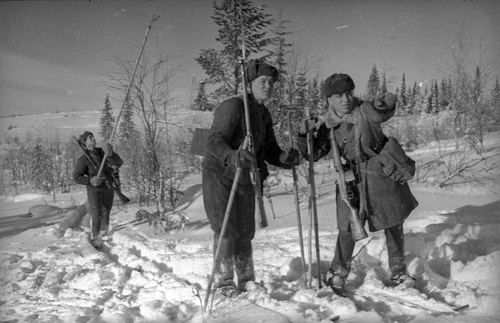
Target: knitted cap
[
  {"x": 84, "y": 136},
  {"x": 258, "y": 68},
  {"x": 337, "y": 84}
]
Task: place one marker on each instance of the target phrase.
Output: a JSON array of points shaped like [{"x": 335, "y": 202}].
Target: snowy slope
[{"x": 150, "y": 276}]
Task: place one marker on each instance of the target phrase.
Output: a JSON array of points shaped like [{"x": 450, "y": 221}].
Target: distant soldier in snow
[
  {"x": 223, "y": 156},
  {"x": 100, "y": 196},
  {"x": 383, "y": 199}
]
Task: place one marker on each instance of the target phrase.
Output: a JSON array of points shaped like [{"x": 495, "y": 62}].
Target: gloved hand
[
  {"x": 290, "y": 157},
  {"x": 386, "y": 101},
  {"x": 245, "y": 159},
  {"x": 96, "y": 180},
  {"x": 108, "y": 150},
  {"x": 307, "y": 124}
]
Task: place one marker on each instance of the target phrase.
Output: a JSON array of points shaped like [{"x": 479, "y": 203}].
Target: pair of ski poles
[{"x": 312, "y": 213}]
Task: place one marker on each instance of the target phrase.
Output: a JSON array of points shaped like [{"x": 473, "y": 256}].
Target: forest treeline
[{"x": 464, "y": 105}]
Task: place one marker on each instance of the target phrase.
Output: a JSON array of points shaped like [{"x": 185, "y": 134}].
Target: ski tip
[
  {"x": 460, "y": 308},
  {"x": 336, "y": 318}
]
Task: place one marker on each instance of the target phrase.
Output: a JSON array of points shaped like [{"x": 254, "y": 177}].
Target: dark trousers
[
  {"x": 101, "y": 202},
  {"x": 341, "y": 263},
  {"x": 235, "y": 254}
]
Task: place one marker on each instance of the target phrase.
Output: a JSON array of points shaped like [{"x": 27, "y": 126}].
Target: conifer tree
[
  {"x": 434, "y": 97},
  {"x": 201, "y": 102},
  {"x": 495, "y": 95},
  {"x": 314, "y": 94},
  {"x": 279, "y": 51},
  {"x": 235, "y": 18},
  {"x": 403, "y": 99},
  {"x": 383, "y": 87},
  {"x": 444, "y": 95},
  {"x": 300, "y": 90},
  {"x": 278, "y": 105},
  {"x": 107, "y": 120},
  {"x": 373, "y": 86},
  {"x": 495, "y": 105},
  {"x": 128, "y": 131}
]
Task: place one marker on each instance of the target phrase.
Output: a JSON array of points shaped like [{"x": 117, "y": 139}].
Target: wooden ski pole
[
  {"x": 312, "y": 193},
  {"x": 311, "y": 224},
  {"x": 297, "y": 206},
  {"x": 221, "y": 235},
  {"x": 127, "y": 91}
]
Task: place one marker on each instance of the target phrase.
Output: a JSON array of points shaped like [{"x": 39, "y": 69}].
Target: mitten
[
  {"x": 96, "y": 180},
  {"x": 245, "y": 159},
  {"x": 290, "y": 157},
  {"x": 385, "y": 101},
  {"x": 108, "y": 150}
]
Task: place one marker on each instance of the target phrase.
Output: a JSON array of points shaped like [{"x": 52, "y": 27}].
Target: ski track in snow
[
  {"x": 146, "y": 279},
  {"x": 452, "y": 244}
]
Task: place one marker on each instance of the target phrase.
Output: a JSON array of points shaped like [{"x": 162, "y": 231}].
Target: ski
[
  {"x": 243, "y": 310},
  {"x": 438, "y": 307}
]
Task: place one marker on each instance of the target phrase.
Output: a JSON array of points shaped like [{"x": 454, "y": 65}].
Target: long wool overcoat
[
  {"x": 385, "y": 203},
  {"x": 226, "y": 136}
]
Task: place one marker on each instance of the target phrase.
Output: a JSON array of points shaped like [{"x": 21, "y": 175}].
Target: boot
[
  {"x": 224, "y": 270},
  {"x": 334, "y": 280},
  {"x": 96, "y": 242},
  {"x": 400, "y": 277},
  {"x": 244, "y": 263}
]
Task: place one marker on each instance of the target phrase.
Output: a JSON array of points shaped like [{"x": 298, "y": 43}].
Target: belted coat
[
  {"x": 383, "y": 202},
  {"x": 226, "y": 136}
]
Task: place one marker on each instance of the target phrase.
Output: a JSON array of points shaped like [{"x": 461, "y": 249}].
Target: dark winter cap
[
  {"x": 258, "y": 68},
  {"x": 337, "y": 84},
  {"x": 84, "y": 136}
]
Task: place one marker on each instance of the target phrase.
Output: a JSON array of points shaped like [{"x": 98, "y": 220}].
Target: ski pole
[
  {"x": 297, "y": 206},
  {"x": 312, "y": 192},
  {"x": 221, "y": 235},
  {"x": 127, "y": 91}
]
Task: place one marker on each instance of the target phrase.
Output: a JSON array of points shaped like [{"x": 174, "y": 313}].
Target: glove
[
  {"x": 307, "y": 124},
  {"x": 290, "y": 157},
  {"x": 96, "y": 180},
  {"x": 386, "y": 101},
  {"x": 108, "y": 150},
  {"x": 245, "y": 159}
]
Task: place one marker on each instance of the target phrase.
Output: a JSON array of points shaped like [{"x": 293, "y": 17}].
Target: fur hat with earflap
[
  {"x": 258, "y": 68},
  {"x": 337, "y": 84},
  {"x": 84, "y": 136}
]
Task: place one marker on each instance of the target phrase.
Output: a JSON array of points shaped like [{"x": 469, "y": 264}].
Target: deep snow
[{"x": 452, "y": 242}]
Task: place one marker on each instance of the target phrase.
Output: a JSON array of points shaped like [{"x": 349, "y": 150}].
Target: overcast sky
[{"x": 53, "y": 53}]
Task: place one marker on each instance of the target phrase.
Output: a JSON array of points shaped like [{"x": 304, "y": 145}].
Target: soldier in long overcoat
[
  {"x": 223, "y": 156},
  {"x": 382, "y": 201}
]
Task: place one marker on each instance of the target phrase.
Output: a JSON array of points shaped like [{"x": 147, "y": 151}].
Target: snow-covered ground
[{"x": 452, "y": 242}]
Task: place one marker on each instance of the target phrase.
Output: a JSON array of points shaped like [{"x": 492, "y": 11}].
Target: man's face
[
  {"x": 262, "y": 88},
  {"x": 341, "y": 103},
  {"x": 90, "y": 142}
]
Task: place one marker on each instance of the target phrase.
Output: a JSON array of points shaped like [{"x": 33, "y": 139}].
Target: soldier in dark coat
[
  {"x": 223, "y": 156},
  {"x": 100, "y": 196},
  {"x": 382, "y": 202}
]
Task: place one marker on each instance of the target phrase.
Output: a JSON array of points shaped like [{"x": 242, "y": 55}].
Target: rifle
[
  {"x": 248, "y": 145},
  {"x": 108, "y": 178},
  {"x": 357, "y": 229}
]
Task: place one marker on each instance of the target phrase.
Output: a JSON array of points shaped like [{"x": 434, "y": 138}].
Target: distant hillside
[{"x": 68, "y": 124}]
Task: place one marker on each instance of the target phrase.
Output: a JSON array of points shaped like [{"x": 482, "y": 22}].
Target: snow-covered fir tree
[
  {"x": 373, "y": 85},
  {"x": 107, "y": 119}
]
